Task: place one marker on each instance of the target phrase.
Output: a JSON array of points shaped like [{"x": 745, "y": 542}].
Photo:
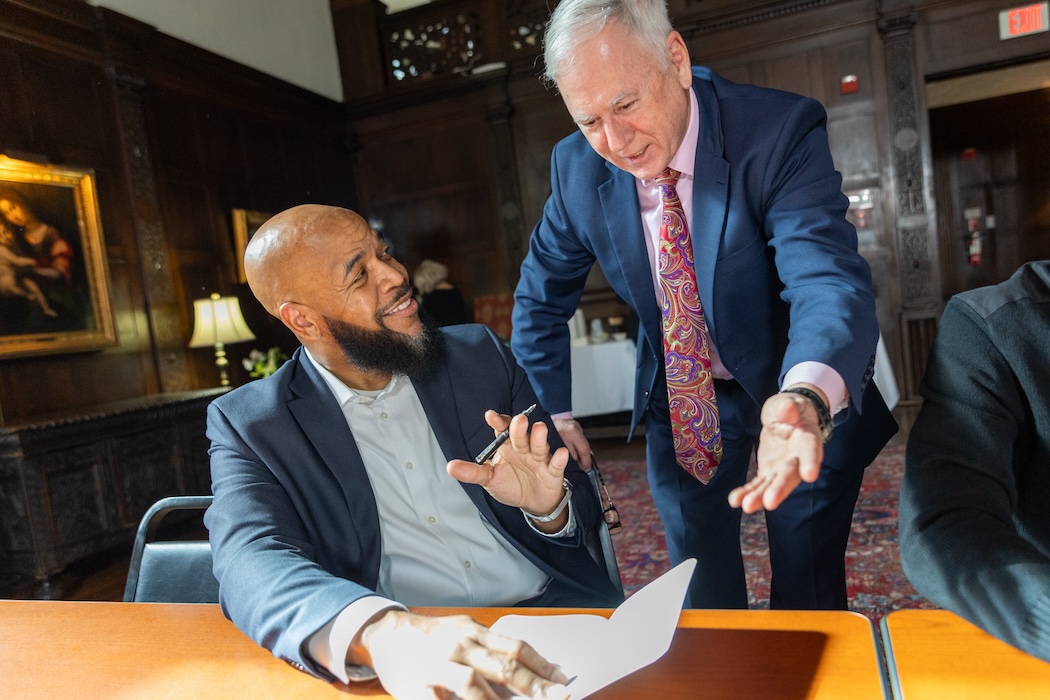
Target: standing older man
[
  {"x": 332, "y": 495},
  {"x": 715, "y": 210}
]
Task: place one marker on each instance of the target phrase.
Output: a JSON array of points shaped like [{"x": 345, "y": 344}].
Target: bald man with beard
[{"x": 345, "y": 488}]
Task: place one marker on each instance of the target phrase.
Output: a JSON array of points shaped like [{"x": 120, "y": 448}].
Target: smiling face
[
  {"x": 333, "y": 281},
  {"x": 360, "y": 283},
  {"x": 633, "y": 112}
]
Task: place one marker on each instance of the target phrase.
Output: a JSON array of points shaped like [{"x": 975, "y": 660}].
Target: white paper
[{"x": 596, "y": 651}]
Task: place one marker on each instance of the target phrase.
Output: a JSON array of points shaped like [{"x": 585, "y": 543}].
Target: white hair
[
  {"x": 575, "y": 21},
  {"x": 428, "y": 275}
]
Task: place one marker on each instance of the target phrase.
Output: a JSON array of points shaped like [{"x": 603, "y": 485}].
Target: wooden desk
[
  {"x": 54, "y": 649},
  {"x": 936, "y": 654}
]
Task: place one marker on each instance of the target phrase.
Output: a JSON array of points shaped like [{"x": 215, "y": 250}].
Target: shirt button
[
  {"x": 409, "y": 465},
  {"x": 466, "y": 565},
  {"x": 383, "y": 415},
  {"x": 432, "y": 520}
]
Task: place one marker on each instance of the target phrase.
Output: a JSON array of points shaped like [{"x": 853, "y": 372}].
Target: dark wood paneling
[
  {"x": 221, "y": 140},
  {"x": 71, "y": 109},
  {"x": 76, "y": 486},
  {"x": 177, "y": 137},
  {"x": 958, "y": 37},
  {"x": 435, "y": 198},
  {"x": 180, "y": 149}
]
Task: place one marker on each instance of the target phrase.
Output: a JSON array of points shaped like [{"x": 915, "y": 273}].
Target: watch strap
[
  {"x": 823, "y": 414},
  {"x": 553, "y": 515}
]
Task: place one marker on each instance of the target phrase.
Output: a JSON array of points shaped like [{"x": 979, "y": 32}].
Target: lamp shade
[{"x": 218, "y": 320}]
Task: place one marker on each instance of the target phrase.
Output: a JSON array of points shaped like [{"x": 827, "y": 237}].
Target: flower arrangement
[{"x": 262, "y": 364}]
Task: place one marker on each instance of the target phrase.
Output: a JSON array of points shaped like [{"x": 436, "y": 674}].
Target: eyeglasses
[{"x": 609, "y": 512}]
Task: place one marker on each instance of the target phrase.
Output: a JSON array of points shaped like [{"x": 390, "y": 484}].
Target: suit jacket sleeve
[
  {"x": 269, "y": 580},
  {"x": 826, "y": 283},
  {"x": 972, "y": 507}
]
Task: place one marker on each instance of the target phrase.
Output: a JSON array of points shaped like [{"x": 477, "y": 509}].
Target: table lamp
[{"x": 216, "y": 322}]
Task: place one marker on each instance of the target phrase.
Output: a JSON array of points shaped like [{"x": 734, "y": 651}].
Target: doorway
[{"x": 990, "y": 139}]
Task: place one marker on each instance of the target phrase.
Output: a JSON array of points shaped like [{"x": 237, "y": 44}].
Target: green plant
[{"x": 262, "y": 364}]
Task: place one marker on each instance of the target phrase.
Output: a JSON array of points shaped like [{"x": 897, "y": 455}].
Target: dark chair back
[
  {"x": 599, "y": 543},
  {"x": 170, "y": 571}
]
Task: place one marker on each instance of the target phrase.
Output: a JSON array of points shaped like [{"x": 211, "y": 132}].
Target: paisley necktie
[{"x": 690, "y": 383}]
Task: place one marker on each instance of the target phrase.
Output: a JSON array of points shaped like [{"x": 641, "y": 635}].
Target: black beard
[{"x": 389, "y": 351}]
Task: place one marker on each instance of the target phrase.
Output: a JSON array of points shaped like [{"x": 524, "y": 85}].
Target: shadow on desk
[{"x": 781, "y": 664}]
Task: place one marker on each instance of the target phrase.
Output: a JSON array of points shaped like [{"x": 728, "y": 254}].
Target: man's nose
[
  {"x": 617, "y": 135},
  {"x": 392, "y": 274}
]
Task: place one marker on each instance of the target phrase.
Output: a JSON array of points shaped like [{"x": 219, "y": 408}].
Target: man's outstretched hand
[{"x": 790, "y": 451}]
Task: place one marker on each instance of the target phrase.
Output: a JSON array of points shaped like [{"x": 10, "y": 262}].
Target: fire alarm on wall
[{"x": 848, "y": 84}]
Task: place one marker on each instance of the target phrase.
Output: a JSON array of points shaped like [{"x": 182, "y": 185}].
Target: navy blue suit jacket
[
  {"x": 294, "y": 526},
  {"x": 776, "y": 262}
]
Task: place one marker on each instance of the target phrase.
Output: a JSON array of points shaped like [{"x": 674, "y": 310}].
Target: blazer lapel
[
  {"x": 710, "y": 196},
  {"x": 313, "y": 407},
  {"x": 623, "y": 217},
  {"x": 437, "y": 396}
]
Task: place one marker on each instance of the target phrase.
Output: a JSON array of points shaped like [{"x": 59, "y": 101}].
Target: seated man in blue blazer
[{"x": 345, "y": 486}]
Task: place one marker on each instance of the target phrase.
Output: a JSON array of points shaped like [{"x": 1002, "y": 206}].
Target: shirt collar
[{"x": 344, "y": 394}]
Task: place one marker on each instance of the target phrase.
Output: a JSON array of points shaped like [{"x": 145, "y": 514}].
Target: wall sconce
[{"x": 216, "y": 322}]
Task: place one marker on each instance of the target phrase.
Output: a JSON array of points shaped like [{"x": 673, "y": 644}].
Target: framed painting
[
  {"x": 245, "y": 223},
  {"x": 54, "y": 283}
]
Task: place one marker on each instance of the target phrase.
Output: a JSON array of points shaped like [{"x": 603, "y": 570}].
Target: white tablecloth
[
  {"x": 603, "y": 378},
  {"x": 884, "y": 377}
]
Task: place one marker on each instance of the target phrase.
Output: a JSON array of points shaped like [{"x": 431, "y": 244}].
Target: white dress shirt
[{"x": 437, "y": 549}]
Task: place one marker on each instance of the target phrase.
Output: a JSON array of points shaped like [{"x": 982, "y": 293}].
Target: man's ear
[
  {"x": 300, "y": 320},
  {"x": 678, "y": 56}
]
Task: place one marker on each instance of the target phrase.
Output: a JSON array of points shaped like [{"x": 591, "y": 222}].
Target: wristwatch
[
  {"x": 823, "y": 414},
  {"x": 553, "y": 515}
]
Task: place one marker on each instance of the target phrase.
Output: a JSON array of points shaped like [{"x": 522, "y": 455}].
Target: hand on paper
[
  {"x": 523, "y": 473},
  {"x": 416, "y": 656},
  {"x": 790, "y": 451}
]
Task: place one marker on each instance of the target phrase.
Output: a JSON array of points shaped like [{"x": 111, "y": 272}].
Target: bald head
[
  {"x": 287, "y": 251},
  {"x": 333, "y": 281}
]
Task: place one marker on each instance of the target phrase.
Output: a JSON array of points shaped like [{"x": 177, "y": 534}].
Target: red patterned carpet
[{"x": 875, "y": 580}]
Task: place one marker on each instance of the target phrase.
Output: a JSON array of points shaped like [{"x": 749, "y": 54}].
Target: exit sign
[{"x": 1021, "y": 21}]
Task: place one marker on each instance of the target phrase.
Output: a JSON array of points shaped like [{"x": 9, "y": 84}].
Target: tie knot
[
  {"x": 666, "y": 181},
  {"x": 668, "y": 177}
]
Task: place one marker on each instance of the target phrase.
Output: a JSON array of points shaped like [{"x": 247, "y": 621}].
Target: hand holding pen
[
  {"x": 487, "y": 453},
  {"x": 526, "y": 474}
]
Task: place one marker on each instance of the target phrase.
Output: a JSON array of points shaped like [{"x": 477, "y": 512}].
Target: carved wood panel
[{"x": 75, "y": 487}]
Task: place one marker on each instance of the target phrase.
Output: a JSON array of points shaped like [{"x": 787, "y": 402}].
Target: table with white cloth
[
  {"x": 603, "y": 377},
  {"x": 884, "y": 378}
]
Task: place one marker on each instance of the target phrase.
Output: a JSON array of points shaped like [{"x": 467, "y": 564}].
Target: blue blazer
[
  {"x": 294, "y": 526},
  {"x": 777, "y": 266}
]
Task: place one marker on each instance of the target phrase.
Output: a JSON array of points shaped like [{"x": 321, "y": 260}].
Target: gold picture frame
[
  {"x": 245, "y": 223},
  {"x": 54, "y": 282}
]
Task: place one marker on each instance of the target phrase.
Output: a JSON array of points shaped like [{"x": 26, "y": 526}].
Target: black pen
[{"x": 500, "y": 439}]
